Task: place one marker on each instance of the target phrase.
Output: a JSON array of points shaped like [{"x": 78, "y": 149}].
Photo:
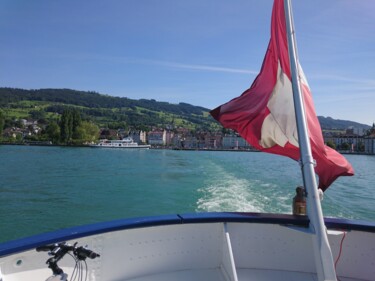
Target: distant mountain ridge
[
  {"x": 91, "y": 99},
  {"x": 105, "y": 110},
  {"x": 328, "y": 123},
  {"x": 151, "y": 112}
]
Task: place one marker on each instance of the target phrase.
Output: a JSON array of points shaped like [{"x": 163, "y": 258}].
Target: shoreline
[{"x": 167, "y": 148}]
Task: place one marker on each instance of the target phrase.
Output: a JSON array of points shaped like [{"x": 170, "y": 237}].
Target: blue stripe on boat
[{"x": 32, "y": 242}]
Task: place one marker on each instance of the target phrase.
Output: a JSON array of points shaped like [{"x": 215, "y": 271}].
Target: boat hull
[
  {"x": 123, "y": 147},
  {"x": 209, "y": 246},
  {"x": 124, "y": 143}
]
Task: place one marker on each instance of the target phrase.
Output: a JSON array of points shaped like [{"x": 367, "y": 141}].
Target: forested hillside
[
  {"x": 120, "y": 112},
  {"x": 106, "y": 111}
]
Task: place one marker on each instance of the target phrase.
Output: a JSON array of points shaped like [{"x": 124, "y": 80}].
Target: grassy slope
[
  {"x": 103, "y": 109},
  {"x": 21, "y": 104}
]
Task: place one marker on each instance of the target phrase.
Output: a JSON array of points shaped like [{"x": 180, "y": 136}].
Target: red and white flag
[{"x": 264, "y": 114}]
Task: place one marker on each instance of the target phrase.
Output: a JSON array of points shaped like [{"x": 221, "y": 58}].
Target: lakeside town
[{"x": 33, "y": 132}]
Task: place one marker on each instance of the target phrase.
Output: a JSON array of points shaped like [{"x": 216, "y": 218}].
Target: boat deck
[
  {"x": 209, "y": 247},
  {"x": 243, "y": 275},
  {"x": 198, "y": 275}
]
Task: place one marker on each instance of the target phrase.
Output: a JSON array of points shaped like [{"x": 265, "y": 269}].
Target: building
[
  {"x": 108, "y": 134},
  {"x": 167, "y": 137},
  {"x": 369, "y": 142},
  {"x": 214, "y": 140},
  {"x": 135, "y": 135},
  {"x": 189, "y": 142},
  {"x": 235, "y": 142},
  {"x": 155, "y": 137},
  {"x": 176, "y": 140},
  {"x": 348, "y": 142},
  {"x": 122, "y": 133},
  {"x": 12, "y": 133},
  {"x": 143, "y": 136}
]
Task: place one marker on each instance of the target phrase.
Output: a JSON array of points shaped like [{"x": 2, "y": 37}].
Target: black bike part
[
  {"x": 82, "y": 253},
  {"x": 52, "y": 264},
  {"x": 46, "y": 248}
]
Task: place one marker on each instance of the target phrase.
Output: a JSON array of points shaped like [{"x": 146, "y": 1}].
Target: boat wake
[{"x": 229, "y": 193}]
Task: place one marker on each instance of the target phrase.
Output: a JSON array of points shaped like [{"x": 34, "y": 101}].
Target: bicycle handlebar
[
  {"x": 62, "y": 248},
  {"x": 46, "y": 248},
  {"x": 59, "y": 250},
  {"x": 82, "y": 253}
]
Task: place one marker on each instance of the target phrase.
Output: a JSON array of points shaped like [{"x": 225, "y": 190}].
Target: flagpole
[{"x": 323, "y": 255}]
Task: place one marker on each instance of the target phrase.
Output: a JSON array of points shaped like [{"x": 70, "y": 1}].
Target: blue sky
[{"x": 203, "y": 52}]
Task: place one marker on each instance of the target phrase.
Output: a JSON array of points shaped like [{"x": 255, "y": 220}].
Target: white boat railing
[{"x": 207, "y": 246}]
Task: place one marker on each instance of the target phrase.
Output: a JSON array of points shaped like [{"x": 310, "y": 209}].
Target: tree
[
  {"x": 86, "y": 132},
  {"x": 19, "y": 124},
  {"x": 2, "y": 122},
  {"x": 53, "y": 132},
  {"x": 345, "y": 146},
  {"x": 371, "y": 130},
  {"x": 18, "y": 137},
  {"x": 331, "y": 144},
  {"x": 70, "y": 120},
  {"x": 118, "y": 125},
  {"x": 76, "y": 119},
  {"x": 361, "y": 147},
  {"x": 37, "y": 114},
  {"x": 66, "y": 126}
]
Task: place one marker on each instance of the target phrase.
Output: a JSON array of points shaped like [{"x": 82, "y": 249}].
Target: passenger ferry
[{"x": 124, "y": 143}]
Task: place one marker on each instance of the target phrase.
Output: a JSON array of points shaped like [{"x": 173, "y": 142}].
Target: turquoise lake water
[{"x": 48, "y": 188}]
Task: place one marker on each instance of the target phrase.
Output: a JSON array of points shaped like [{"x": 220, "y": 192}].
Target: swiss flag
[{"x": 264, "y": 114}]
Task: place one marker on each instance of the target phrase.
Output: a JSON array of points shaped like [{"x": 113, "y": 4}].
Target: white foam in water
[
  {"x": 228, "y": 193},
  {"x": 227, "y": 190}
]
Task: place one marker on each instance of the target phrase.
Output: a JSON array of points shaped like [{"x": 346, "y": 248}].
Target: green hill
[
  {"x": 103, "y": 109},
  {"x": 116, "y": 112}
]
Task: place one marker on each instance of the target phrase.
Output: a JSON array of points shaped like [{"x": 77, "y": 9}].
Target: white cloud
[{"x": 202, "y": 67}]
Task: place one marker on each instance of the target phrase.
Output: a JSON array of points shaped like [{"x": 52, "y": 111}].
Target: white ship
[{"x": 124, "y": 143}]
